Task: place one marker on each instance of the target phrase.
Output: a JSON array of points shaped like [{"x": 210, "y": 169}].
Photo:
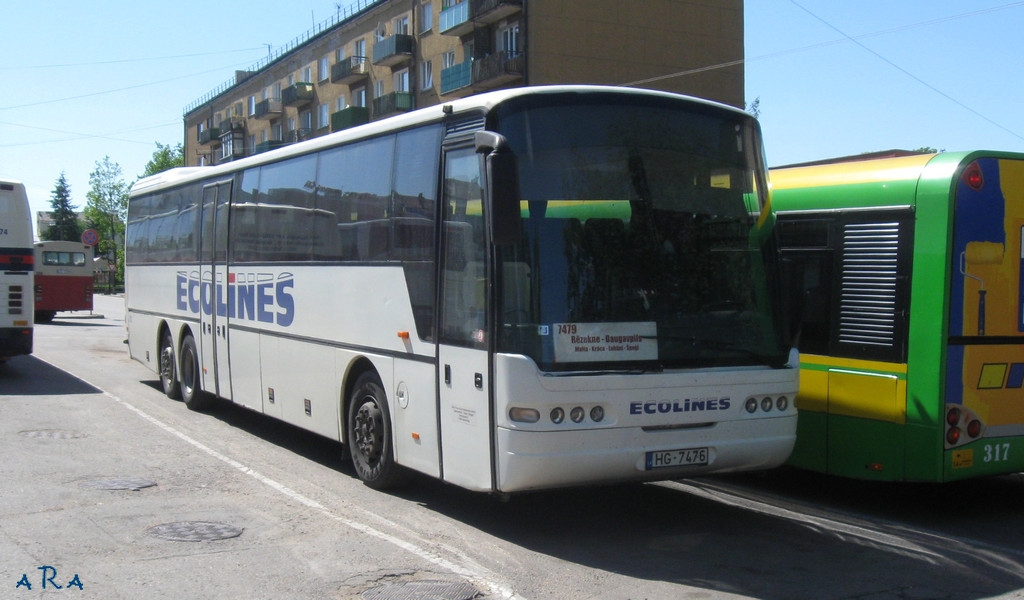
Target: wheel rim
[
  {"x": 167, "y": 364},
  {"x": 368, "y": 431}
]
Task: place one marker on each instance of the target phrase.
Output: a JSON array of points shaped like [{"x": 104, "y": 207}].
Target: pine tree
[{"x": 65, "y": 222}]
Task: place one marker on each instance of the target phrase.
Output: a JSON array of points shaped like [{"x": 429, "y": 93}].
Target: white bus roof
[{"x": 484, "y": 101}]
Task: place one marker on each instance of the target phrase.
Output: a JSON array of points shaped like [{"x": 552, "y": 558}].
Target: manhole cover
[
  {"x": 421, "y": 590},
  {"x": 194, "y": 531},
  {"x": 117, "y": 483},
  {"x": 53, "y": 434}
]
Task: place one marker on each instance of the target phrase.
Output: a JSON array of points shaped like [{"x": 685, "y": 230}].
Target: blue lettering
[
  {"x": 222, "y": 308},
  {"x": 206, "y": 296},
  {"x": 76, "y": 582},
  {"x": 697, "y": 405},
  {"x": 182, "y": 292},
  {"x": 46, "y": 568},
  {"x": 651, "y": 408},
  {"x": 23, "y": 582},
  {"x": 635, "y": 408},
  {"x": 285, "y": 302},
  {"x": 265, "y": 301},
  {"x": 247, "y": 302},
  {"x": 193, "y": 298}
]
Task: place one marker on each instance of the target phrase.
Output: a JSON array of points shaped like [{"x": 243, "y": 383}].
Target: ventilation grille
[
  {"x": 464, "y": 126},
  {"x": 867, "y": 310}
]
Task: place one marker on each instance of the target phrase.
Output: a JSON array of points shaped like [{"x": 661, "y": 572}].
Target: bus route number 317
[{"x": 677, "y": 458}]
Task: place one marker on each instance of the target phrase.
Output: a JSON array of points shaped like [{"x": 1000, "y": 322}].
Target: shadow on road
[{"x": 29, "y": 376}]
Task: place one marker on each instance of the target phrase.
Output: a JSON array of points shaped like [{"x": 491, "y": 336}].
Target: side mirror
[{"x": 501, "y": 192}]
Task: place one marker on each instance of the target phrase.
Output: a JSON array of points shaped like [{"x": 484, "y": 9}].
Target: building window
[
  {"x": 402, "y": 26},
  {"x": 359, "y": 97},
  {"x": 341, "y": 104},
  {"x": 378, "y": 88},
  {"x": 402, "y": 81},
  {"x": 252, "y": 105},
  {"x": 325, "y": 115},
  {"x": 306, "y": 120},
  {"x": 226, "y": 149},
  {"x": 448, "y": 60},
  {"x": 426, "y": 75},
  {"x": 325, "y": 69},
  {"x": 339, "y": 54},
  {"x": 360, "y": 48},
  {"x": 509, "y": 39},
  {"x": 426, "y": 17},
  {"x": 307, "y": 74}
]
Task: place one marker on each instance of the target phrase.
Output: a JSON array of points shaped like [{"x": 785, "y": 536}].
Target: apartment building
[{"x": 380, "y": 57}]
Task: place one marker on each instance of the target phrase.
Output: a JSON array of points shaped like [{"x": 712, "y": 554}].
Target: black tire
[
  {"x": 369, "y": 437},
  {"x": 169, "y": 367},
  {"x": 188, "y": 374}
]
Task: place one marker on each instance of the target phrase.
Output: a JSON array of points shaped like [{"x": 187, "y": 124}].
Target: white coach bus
[
  {"x": 525, "y": 289},
  {"x": 16, "y": 271}
]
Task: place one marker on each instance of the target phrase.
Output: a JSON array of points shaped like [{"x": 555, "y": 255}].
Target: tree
[
  {"x": 107, "y": 208},
  {"x": 65, "y": 222},
  {"x": 754, "y": 108},
  {"x": 165, "y": 157}
]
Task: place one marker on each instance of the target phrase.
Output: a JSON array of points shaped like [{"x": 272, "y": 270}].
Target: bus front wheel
[
  {"x": 369, "y": 435},
  {"x": 191, "y": 388},
  {"x": 168, "y": 370}
]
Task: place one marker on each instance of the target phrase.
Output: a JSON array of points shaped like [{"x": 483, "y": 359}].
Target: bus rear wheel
[
  {"x": 168, "y": 370},
  {"x": 191, "y": 387},
  {"x": 369, "y": 437}
]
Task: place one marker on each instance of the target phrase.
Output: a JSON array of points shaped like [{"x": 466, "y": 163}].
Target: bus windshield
[{"x": 643, "y": 246}]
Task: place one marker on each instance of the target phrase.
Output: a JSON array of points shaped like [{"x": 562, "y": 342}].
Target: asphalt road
[{"x": 274, "y": 513}]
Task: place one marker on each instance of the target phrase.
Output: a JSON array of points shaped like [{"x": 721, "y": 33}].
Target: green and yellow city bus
[{"x": 909, "y": 277}]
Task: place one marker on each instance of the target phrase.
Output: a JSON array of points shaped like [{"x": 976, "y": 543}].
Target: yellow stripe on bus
[
  {"x": 865, "y": 171},
  {"x": 854, "y": 388}
]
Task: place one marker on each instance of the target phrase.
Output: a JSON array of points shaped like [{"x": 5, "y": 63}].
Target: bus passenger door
[
  {"x": 463, "y": 358},
  {"x": 214, "y": 312}
]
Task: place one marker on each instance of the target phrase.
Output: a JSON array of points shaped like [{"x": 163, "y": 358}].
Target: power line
[
  {"x": 131, "y": 87},
  {"x": 911, "y": 75},
  {"x": 127, "y": 60}
]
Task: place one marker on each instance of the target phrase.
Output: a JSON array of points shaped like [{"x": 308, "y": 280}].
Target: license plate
[{"x": 677, "y": 458}]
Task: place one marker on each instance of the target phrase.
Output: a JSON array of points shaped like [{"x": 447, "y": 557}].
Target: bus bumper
[
  {"x": 531, "y": 460},
  {"x": 15, "y": 341}
]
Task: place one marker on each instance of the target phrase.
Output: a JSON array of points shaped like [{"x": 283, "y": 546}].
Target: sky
[{"x": 87, "y": 80}]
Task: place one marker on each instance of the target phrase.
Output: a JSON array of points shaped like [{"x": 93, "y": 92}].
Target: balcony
[
  {"x": 393, "y": 50},
  {"x": 488, "y": 12},
  {"x": 297, "y": 95},
  {"x": 349, "y": 117},
  {"x": 461, "y": 18},
  {"x": 488, "y": 73},
  {"x": 497, "y": 70},
  {"x": 268, "y": 109},
  {"x": 208, "y": 135},
  {"x": 455, "y": 20},
  {"x": 298, "y": 135},
  {"x": 392, "y": 103},
  {"x": 457, "y": 77},
  {"x": 350, "y": 70},
  {"x": 269, "y": 145}
]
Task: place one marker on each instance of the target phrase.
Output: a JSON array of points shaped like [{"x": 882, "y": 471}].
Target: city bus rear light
[
  {"x": 751, "y": 405},
  {"x": 973, "y": 177},
  {"x": 953, "y": 416},
  {"x": 597, "y": 414},
  {"x": 974, "y": 428},
  {"x": 576, "y": 414},
  {"x": 782, "y": 403},
  {"x": 953, "y": 436},
  {"x": 524, "y": 415},
  {"x": 557, "y": 415}
]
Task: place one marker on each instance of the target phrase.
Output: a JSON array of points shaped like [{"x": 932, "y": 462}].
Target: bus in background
[
  {"x": 64, "y": 278},
  {"x": 527, "y": 289},
  {"x": 912, "y": 332},
  {"x": 15, "y": 271}
]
